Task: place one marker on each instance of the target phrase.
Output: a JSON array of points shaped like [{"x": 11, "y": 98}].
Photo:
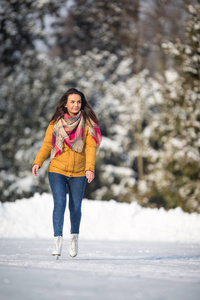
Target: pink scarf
[{"x": 70, "y": 130}]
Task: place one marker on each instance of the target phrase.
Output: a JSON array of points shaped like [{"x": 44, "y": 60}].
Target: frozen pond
[{"x": 102, "y": 270}]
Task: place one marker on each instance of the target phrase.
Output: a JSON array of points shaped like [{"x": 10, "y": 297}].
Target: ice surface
[
  {"x": 102, "y": 270},
  {"x": 125, "y": 252}
]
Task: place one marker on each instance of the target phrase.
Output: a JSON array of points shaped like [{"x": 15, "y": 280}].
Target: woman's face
[{"x": 73, "y": 104}]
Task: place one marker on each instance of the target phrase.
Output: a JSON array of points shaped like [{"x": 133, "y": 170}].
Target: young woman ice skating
[{"x": 71, "y": 139}]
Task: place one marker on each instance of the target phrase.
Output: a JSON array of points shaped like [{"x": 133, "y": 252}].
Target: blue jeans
[{"x": 76, "y": 187}]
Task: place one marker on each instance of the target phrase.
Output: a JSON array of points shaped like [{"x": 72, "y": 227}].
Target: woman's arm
[
  {"x": 90, "y": 149},
  {"x": 45, "y": 149}
]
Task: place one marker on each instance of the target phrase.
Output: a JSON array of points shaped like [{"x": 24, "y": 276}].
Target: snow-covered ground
[
  {"x": 125, "y": 252},
  {"x": 101, "y": 220}
]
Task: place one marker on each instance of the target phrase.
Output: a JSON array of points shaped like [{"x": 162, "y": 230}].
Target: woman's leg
[
  {"x": 58, "y": 184},
  {"x": 76, "y": 188}
]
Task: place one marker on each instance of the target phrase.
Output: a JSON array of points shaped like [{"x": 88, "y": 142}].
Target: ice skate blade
[
  {"x": 73, "y": 256},
  {"x": 56, "y": 256}
]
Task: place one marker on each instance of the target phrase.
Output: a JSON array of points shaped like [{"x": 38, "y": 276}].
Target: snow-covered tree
[
  {"x": 125, "y": 105},
  {"x": 147, "y": 124},
  {"x": 28, "y": 81},
  {"x": 174, "y": 176},
  {"x": 105, "y": 25}
]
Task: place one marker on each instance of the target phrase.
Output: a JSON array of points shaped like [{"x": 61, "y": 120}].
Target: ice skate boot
[
  {"x": 57, "y": 247},
  {"x": 73, "y": 248}
]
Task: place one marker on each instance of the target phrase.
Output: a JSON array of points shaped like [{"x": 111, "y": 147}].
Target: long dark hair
[{"x": 88, "y": 113}]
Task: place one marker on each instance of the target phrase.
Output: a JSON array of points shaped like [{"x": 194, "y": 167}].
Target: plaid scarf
[{"x": 70, "y": 130}]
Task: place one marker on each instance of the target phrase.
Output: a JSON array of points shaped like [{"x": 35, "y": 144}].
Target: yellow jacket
[{"x": 69, "y": 162}]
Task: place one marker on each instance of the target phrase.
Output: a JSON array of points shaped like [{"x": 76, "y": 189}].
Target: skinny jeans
[{"x": 59, "y": 185}]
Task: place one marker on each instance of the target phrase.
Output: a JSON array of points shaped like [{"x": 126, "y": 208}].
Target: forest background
[{"x": 137, "y": 62}]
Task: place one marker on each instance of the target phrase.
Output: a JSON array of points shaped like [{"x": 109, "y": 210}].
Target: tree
[
  {"x": 173, "y": 179},
  {"x": 28, "y": 82},
  {"x": 161, "y": 19},
  {"x": 105, "y": 25},
  {"x": 120, "y": 111}
]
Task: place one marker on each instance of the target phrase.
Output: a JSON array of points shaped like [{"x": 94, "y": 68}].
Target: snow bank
[{"x": 32, "y": 218}]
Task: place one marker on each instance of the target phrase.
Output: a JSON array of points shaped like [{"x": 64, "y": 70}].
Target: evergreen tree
[
  {"x": 124, "y": 105},
  {"x": 28, "y": 83},
  {"x": 105, "y": 25},
  {"x": 174, "y": 177},
  {"x": 101, "y": 52}
]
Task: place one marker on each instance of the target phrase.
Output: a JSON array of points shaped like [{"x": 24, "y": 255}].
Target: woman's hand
[
  {"x": 35, "y": 168},
  {"x": 89, "y": 175}
]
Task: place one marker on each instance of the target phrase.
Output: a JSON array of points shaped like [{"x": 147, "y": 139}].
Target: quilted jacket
[{"x": 69, "y": 162}]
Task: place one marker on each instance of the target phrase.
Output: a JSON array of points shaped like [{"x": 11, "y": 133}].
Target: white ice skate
[
  {"x": 57, "y": 247},
  {"x": 73, "y": 248}
]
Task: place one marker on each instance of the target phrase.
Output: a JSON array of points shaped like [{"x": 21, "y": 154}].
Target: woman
[{"x": 71, "y": 139}]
